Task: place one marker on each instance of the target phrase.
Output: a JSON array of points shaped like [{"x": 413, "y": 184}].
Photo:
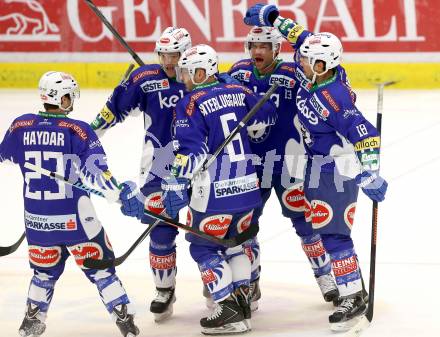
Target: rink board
[{"x": 107, "y": 75}]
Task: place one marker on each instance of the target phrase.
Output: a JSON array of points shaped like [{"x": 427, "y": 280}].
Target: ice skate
[
  {"x": 32, "y": 325},
  {"x": 125, "y": 321},
  {"x": 226, "y": 319},
  {"x": 348, "y": 312},
  {"x": 255, "y": 294},
  {"x": 328, "y": 288},
  {"x": 162, "y": 305},
  {"x": 243, "y": 298}
]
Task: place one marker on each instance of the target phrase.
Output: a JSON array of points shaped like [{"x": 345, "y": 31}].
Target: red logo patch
[
  {"x": 87, "y": 250},
  {"x": 153, "y": 203},
  {"x": 44, "y": 256},
  {"x": 314, "y": 249},
  {"x": 164, "y": 40},
  {"x": 208, "y": 276},
  {"x": 322, "y": 213},
  {"x": 216, "y": 225},
  {"x": 245, "y": 222},
  {"x": 307, "y": 210},
  {"x": 163, "y": 262},
  {"x": 71, "y": 224},
  {"x": 344, "y": 266},
  {"x": 293, "y": 198},
  {"x": 349, "y": 214},
  {"x": 145, "y": 73},
  {"x": 257, "y": 30},
  {"x": 330, "y": 99},
  {"x": 189, "y": 218}
]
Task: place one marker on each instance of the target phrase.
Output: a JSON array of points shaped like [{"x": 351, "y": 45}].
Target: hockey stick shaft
[
  {"x": 239, "y": 239},
  {"x": 366, "y": 319},
  {"x": 240, "y": 125},
  {"x": 10, "y": 249},
  {"x": 115, "y": 33},
  {"x": 374, "y": 215}
]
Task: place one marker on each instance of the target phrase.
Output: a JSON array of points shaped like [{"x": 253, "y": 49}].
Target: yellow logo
[
  {"x": 294, "y": 33},
  {"x": 107, "y": 114},
  {"x": 180, "y": 160},
  {"x": 367, "y": 143}
]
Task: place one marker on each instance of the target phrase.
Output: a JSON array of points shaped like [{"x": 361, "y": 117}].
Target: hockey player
[
  {"x": 153, "y": 91},
  {"x": 277, "y": 170},
  {"x": 225, "y": 195},
  {"x": 342, "y": 149},
  {"x": 60, "y": 220}
]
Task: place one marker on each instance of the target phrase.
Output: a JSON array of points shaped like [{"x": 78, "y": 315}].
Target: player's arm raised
[
  {"x": 269, "y": 15},
  {"x": 121, "y": 104}
]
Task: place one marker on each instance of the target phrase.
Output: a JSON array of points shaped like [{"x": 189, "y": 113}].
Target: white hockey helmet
[
  {"x": 55, "y": 84},
  {"x": 200, "y": 56},
  {"x": 324, "y": 47},
  {"x": 173, "y": 40},
  {"x": 264, "y": 34}
]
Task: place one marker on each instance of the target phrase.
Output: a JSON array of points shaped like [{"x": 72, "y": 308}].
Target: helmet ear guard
[
  {"x": 325, "y": 47},
  {"x": 54, "y": 85}
]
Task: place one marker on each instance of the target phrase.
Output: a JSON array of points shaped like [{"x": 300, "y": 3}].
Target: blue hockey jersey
[
  {"x": 334, "y": 131},
  {"x": 150, "y": 92},
  {"x": 204, "y": 118},
  {"x": 273, "y": 142},
  {"x": 56, "y": 213}
]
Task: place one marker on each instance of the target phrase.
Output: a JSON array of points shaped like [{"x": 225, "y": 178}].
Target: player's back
[{"x": 204, "y": 119}]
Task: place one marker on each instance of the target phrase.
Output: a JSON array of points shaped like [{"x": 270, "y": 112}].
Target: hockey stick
[
  {"x": 239, "y": 239},
  {"x": 240, "y": 125},
  {"x": 366, "y": 319},
  {"x": 115, "y": 33},
  {"x": 10, "y": 249}
]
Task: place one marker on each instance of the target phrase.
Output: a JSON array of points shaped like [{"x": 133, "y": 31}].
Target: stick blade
[
  {"x": 358, "y": 328},
  {"x": 10, "y": 249},
  {"x": 99, "y": 264}
]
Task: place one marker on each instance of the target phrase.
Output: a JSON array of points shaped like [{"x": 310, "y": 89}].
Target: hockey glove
[
  {"x": 261, "y": 15},
  {"x": 175, "y": 195},
  {"x": 226, "y": 78},
  {"x": 372, "y": 185},
  {"x": 131, "y": 199}
]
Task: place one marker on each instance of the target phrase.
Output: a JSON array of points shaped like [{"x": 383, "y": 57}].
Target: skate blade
[
  {"x": 248, "y": 324},
  {"x": 345, "y": 325},
  {"x": 254, "y": 306},
  {"x": 164, "y": 315},
  {"x": 228, "y": 329}
]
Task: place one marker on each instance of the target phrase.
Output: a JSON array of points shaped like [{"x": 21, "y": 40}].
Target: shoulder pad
[
  {"x": 149, "y": 70},
  {"x": 288, "y": 67},
  {"x": 81, "y": 129},
  {"x": 238, "y": 86},
  {"x": 22, "y": 122},
  {"x": 245, "y": 64},
  {"x": 192, "y": 101}
]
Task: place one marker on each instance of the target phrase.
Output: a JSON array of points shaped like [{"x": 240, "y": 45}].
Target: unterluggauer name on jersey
[{"x": 222, "y": 101}]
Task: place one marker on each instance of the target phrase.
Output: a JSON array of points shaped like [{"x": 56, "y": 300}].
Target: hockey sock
[
  {"x": 163, "y": 264},
  {"x": 240, "y": 266},
  {"x": 217, "y": 276},
  {"x": 319, "y": 258},
  {"x": 252, "y": 249},
  {"x": 111, "y": 290},
  {"x": 347, "y": 273},
  {"x": 40, "y": 293}
]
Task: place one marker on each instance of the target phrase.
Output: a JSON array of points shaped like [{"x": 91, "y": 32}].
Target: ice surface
[{"x": 408, "y": 263}]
